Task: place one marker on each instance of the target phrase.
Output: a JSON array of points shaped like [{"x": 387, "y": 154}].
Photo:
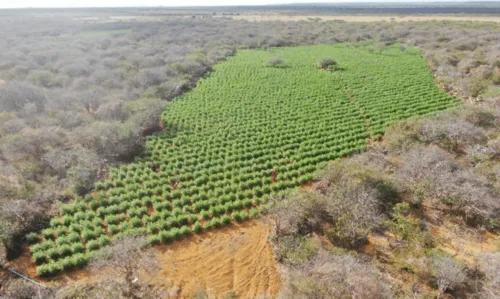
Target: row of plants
[{"x": 245, "y": 134}]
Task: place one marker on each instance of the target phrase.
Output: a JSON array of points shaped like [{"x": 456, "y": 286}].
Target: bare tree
[
  {"x": 336, "y": 276},
  {"x": 449, "y": 274},
  {"x": 490, "y": 266},
  {"x": 126, "y": 258}
]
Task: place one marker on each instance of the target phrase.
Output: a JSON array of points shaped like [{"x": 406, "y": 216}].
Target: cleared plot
[{"x": 245, "y": 133}]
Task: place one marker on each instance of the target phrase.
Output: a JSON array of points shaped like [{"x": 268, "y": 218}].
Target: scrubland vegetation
[
  {"x": 238, "y": 139},
  {"x": 434, "y": 171},
  {"x": 78, "y": 100}
]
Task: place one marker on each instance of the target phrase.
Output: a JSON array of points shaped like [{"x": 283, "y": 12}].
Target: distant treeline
[
  {"x": 442, "y": 8},
  {"x": 487, "y": 7}
]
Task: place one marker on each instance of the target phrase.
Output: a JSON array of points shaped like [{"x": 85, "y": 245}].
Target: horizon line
[{"x": 416, "y": 3}]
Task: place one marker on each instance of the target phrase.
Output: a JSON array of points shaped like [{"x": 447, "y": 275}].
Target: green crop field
[{"x": 246, "y": 132}]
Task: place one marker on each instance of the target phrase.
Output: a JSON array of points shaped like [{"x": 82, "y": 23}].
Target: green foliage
[
  {"x": 65, "y": 250},
  {"x": 93, "y": 245},
  {"x": 88, "y": 234},
  {"x": 166, "y": 237},
  {"x": 226, "y": 219},
  {"x": 254, "y": 213},
  {"x": 32, "y": 238},
  {"x": 47, "y": 270},
  {"x": 104, "y": 240},
  {"x": 49, "y": 234},
  {"x": 197, "y": 227},
  {"x": 185, "y": 231},
  {"x": 77, "y": 248},
  {"x": 237, "y": 217},
  {"x": 53, "y": 253},
  {"x": 215, "y": 222},
  {"x": 40, "y": 257},
  {"x": 80, "y": 260},
  {"x": 67, "y": 263}
]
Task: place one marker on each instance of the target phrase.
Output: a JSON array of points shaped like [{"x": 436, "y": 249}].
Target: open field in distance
[{"x": 366, "y": 18}]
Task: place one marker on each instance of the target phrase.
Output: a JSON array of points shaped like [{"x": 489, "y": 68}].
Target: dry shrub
[
  {"x": 452, "y": 131},
  {"x": 14, "y": 95},
  {"x": 107, "y": 288},
  {"x": 300, "y": 213},
  {"x": 332, "y": 276},
  {"x": 17, "y": 288},
  {"x": 490, "y": 266},
  {"x": 294, "y": 250},
  {"x": 433, "y": 177},
  {"x": 448, "y": 273},
  {"x": 126, "y": 257},
  {"x": 452, "y": 134},
  {"x": 402, "y": 136},
  {"x": 18, "y": 217},
  {"x": 350, "y": 198},
  {"x": 275, "y": 62}
]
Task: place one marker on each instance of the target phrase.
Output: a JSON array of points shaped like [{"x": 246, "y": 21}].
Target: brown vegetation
[{"x": 401, "y": 197}]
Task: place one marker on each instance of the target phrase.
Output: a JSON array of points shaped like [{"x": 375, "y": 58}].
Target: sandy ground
[
  {"x": 367, "y": 18},
  {"x": 231, "y": 259},
  {"x": 238, "y": 258}
]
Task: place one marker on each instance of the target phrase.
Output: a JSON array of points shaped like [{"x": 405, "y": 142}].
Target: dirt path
[{"x": 238, "y": 258}]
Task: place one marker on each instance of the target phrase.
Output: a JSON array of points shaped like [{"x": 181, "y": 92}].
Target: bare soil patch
[{"x": 238, "y": 258}]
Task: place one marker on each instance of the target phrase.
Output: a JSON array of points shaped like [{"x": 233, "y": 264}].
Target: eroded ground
[{"x": 238, "y": 258}]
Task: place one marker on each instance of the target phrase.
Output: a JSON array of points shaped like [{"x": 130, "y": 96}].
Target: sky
[{"x": 124, "y": 3}]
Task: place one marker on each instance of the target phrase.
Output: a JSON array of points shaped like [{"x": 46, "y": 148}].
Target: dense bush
[
  {"x": 275, "y": 62},
  {"x": 350, "y": 196},
  {"x": 327, "y": 63}
]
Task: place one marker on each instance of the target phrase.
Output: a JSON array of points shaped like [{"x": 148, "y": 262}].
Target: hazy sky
[{"x": 111, "y": 3}]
